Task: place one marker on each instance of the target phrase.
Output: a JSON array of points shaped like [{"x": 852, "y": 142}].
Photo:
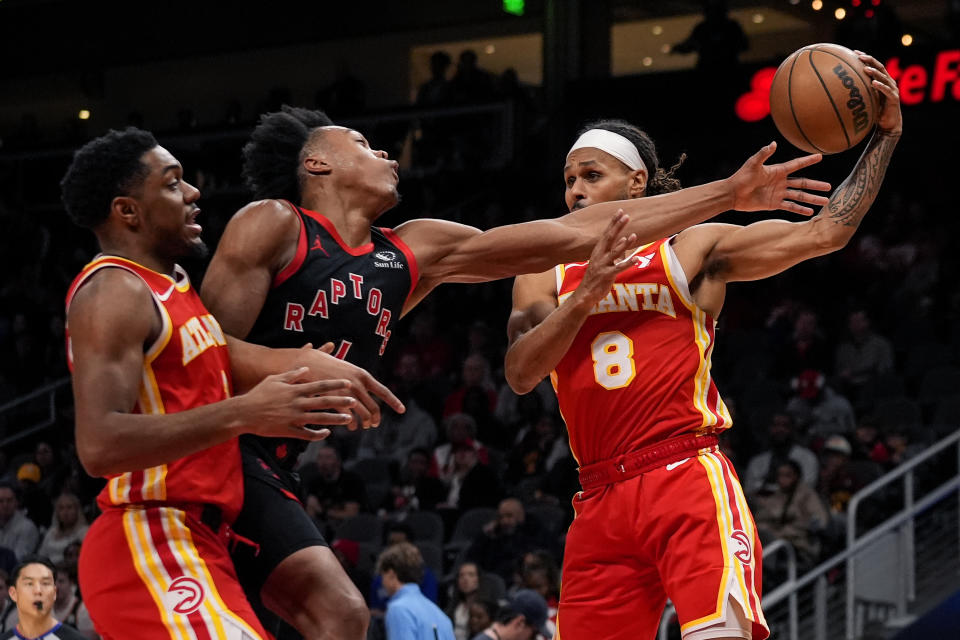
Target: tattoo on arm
[{"x": 853, "y": 198}]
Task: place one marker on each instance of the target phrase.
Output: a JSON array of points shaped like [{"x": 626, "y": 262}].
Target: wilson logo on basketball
[
  {"x": 742, "y": 549},
  {"x": 855, "y": 102},
  {"x": 189, "y": 593}
]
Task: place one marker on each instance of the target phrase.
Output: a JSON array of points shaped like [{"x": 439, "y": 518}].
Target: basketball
[{"x": 821, "y": 99}]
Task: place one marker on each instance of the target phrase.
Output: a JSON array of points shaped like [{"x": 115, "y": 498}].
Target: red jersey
[
  {"x": 188, "y": 366},
  {"x": 638, "y": 371}
]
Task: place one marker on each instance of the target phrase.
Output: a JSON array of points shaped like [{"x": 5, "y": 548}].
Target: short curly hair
[
  {"x": 101, "y": 170},
  {"x": 271, "y": 158},
  {"x": 658, "y": 180}
]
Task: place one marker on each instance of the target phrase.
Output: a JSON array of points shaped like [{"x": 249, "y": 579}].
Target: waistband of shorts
[{"x": 640, "y": 461}]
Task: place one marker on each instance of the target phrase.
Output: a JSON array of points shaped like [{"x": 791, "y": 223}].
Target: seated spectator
[
  {"x": 471, "y": 484},
  {"x": 410, "y": 615},
  {"x": 335, "y": 493},
  {"x": 8, "y": 608},
  {"x": 544, "y": 433},
  {"x": 817, "y": 409},
  {"x": 520, "y": 412},
  {"x": 399, "y": 433},
  {"x": 475, "y": 374},
  {"x": 524, "y": 617},
  {"x": 482, "y": 613},
  {"x": 396, "y": 533},
  {"x": 415, "y": 489},
  {"x": 34, "y": 501},
  {"x": 791, "y": 510},
  {"x": 762, "y": 469},
  {"x": 806, "y": 349},
  {"x": 539, "y": 572},
  {"x": 69, "y": 525},
  {"x": 461, "y": 429},
  {"x": 867, "y": 444},
  {"x": 68, "y": 607},
  {"x": 468, "y": 589},
  {"x": 503, "y": 541},
  {"x": 864, "y": 354},
  {"x": 348, "y": 555},
  {"x": 17, "y": 532},
  {"x": 898, "y": 441},
  {"x": 840, "y": 478}
]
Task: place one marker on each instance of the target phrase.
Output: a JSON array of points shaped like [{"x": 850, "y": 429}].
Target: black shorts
[{"x": 272, "y": 517}]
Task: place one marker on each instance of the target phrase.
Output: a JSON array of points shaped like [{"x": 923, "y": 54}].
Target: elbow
[
  {"x": 95, "y": 458},
  {"x": 520, "y": 381}
]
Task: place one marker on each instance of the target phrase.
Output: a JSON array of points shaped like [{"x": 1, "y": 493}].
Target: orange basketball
[{"x": 821, "y": 99}]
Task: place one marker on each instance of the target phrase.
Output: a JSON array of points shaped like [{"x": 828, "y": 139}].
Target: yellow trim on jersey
[
  {"x": 145, "y": 561},
  {"x": 701, "y": 381},
  {"x": 185, "y": 546}
]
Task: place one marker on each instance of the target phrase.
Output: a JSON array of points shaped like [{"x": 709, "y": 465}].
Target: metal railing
[
  {"x": 47, "y": 394},
  {"x": 769, "y": 551},
  {"x": 903, "y": 520}
]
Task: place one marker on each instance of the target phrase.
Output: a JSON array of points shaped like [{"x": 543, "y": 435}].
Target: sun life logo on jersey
[
  {"x": 742, "y": 549},
  {"x": 387, "y": 259},
  {"x": 189, "y": 592}
]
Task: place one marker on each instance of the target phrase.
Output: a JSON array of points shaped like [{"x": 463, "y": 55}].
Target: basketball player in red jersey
[
  {"x": 628, "y": 340},
  {"x": 153, "y": 381},
  {"x": 304, "y": 263}
]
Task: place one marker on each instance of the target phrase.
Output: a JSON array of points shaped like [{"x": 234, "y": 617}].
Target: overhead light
[
  {"x": 84, "y": 114},
  {"x": 490, "y": 49},
  {"x": 757, "y": 18},
  {"x": 906, "y": 40},
  {"x": 647, "y": 61},
  {"x": 840, "y": 13},
  {"x": 794, "y": 1},
  {"x": 855, "y": 3},
  {"x": 657, "y": 29},
  {"x": 868, "y": 13},
  {"x": 665, "y": 48},
  {"x": 817, "y": 5}
]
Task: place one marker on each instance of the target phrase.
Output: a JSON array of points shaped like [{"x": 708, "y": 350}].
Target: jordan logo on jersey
[
  {"x": 198, "y": 334},
  {"x": 318, "y": 245}
]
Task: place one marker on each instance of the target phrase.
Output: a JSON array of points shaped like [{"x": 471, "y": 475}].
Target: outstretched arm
[
  {"x": 762, "y": 249},
  {"x": 540, "y": 330},
  {"x": 449, "y": 252}
]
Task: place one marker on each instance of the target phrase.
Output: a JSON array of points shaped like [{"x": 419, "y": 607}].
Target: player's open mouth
[{"x": 192, "y": 222}]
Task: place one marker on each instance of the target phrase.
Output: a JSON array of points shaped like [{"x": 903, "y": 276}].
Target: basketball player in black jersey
[{"x": 304, "y": 264}]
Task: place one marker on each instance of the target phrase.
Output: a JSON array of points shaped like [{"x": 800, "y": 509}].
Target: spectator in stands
[
  {"x": 395, "y": 533},
  {"x": 792, "y": 510},
  {"x": 432, "y": 146},
  {"x": 539, "y": 572},
  {"x": 475, "y": 375},
  {"x": 69, "y": 525},
  {"x": 718, "y": 40},
  {"x": 471, "y": 84},
  {"x": 345, "y": 96},
  {"x": 466, "y": 591},
  {"x": 68, "y": 607},
  {"x": 840, "y": 478},
  {"x": 865, "y": 354},
  {"x": 782, "y": 439},
  {"x": 460, "y": 429},
  {"x": 868, "y": 445},
  {"x": 898, "y": 441},
  {"x": 544, "y": 433},
  {"x": 399, "y": 433},
  {"x": 34, "y": 501},
  {"x": 410, "y": 615},
  {"x": 17, "y": 532},
  {"x": 471, "y": 484},
  {"x": 71, "y": 555},
  {"x": 817, "y": 408},
  {"x": 482, "y": 613},
  {"x": 415, "y": 489},
  {"x": 348, "y": 555},
  {"x": 503, "y": 541},
  {"x": 807, "y": 348},
  {"x": 522, "y": 618},
  {"x": 335, "y": 493},
  {"x": 34, "y": 591},
  {"x": 8, "y": 608}
]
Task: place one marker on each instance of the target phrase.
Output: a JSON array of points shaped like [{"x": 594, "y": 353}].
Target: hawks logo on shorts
[
  {"x": 187, "y": 593},
  {"x": 741, "y": 548}
]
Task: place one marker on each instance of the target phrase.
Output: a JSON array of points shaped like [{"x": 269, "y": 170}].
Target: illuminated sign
[
  {"x": 917, "y": 83},
  {"x": 516, "y": 7}
]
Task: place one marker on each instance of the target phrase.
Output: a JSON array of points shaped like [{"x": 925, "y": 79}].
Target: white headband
[{"x": 613, "y": 143}]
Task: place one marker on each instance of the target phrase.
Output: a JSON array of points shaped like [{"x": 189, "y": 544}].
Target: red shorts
[
  {"x": 681, "y": 530},
  {"x": 159, "y": 574}
]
